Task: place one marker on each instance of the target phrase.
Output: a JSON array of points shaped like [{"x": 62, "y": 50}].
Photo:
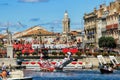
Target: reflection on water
[{"x": 73, "y": 75}]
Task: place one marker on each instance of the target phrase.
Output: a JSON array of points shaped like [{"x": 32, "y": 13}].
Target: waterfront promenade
[
  {"x": 8, "y": 61},
  {"x": 16, "y": 73},
  {"x": 90, "y": 59}
]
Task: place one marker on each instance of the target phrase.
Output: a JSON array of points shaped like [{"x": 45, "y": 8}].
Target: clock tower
[{"x": 66, "y": 23}]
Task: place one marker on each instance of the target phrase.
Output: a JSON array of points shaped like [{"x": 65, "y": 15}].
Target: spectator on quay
[
  {"x": 3, "y": 66},
  {"x": 9, "y": 68},
  {"x": 3, "y": 74}
]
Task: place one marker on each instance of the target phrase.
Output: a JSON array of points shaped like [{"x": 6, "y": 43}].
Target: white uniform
[
  {"x": 69, "y": 54},
  {"x": 3, "y": 67}
]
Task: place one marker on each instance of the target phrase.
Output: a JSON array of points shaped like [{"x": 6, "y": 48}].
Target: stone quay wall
[
  {"x": 93, "y": 60},
  {"x": 8, "y": 61}
]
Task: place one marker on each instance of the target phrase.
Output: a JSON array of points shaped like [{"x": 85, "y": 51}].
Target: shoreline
[{"x": 92, "y": 60}]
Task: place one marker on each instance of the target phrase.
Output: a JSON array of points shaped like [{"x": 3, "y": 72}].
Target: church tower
[{"x": 66, "y": 23}]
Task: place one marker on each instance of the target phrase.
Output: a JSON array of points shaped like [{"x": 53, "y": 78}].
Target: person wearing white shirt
[{"x": 3, "y": 66}]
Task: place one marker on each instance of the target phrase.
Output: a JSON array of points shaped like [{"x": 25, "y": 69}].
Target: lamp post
[
  {"x": 9, "y": 45},
  {"x": 40, "y": 39},
  {"x": 83, "y": 44}
]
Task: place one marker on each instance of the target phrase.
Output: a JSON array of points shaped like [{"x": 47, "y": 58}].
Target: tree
[
  {"x": 1, "y": 45},
  {"x": 108, "y": 42}
]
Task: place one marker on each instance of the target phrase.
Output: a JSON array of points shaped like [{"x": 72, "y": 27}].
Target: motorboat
[
  {"x": 25, "y": 78},
  {"x": 18, "y": 75},
  {"x": 105, "y": 71},
  {"x": 13, "y": 76},
  {"x": 103, "y": 66}
]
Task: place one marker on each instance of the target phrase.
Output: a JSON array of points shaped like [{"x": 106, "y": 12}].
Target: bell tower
[{"x": 66, "y": 23}]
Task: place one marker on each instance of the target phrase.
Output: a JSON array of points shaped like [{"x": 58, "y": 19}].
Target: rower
[
  {"x": 69, "y": 55},
  {"x": 3, "y": 66}
]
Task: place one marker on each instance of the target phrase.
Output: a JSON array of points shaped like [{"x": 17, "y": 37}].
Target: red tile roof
[{"x": 38, "y": 32}]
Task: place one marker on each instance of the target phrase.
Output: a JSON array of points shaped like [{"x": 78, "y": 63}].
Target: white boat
[
  {"x": 24, "y": 78},
  {"x": 18, "y": 75}
]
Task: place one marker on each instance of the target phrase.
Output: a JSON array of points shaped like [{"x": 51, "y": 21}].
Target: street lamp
[
  {"x": 9, "y": 45},
  {"x": 40, "y": 40},
  {"x": 83, "y": 44}
]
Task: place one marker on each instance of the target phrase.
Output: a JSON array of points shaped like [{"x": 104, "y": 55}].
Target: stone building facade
[
  {"x": 66, "y": 23},
  {"x": 107, "y": 23},
  {"x": 66, "y": 27},
  {"x": 90, "y": 29}
]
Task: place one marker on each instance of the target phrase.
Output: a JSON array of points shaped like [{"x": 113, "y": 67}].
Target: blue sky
[{"x": 22, "y": 14}]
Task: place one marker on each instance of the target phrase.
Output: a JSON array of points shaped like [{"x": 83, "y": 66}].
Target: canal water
[{"x": 73, "y": 75}]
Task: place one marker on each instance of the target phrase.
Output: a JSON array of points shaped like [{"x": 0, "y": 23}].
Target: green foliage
[
  {"x": 88, "y": 53},
  {"x": 108, "y": 42},
  {"x": 112, "y": 53},
  {"x": 26, "y": 54},
  {"x": 79, "y": 53},
  {"x": 1, "y": 45},
  {"x": 61, "y": 53},
  {"x": 19, "y": 53},
  {"x": 102, "y": 41},
  {"x": 105, "y": 54},
  {"x": 54, "y": 53},
  {"x": 34, "y": 53}
]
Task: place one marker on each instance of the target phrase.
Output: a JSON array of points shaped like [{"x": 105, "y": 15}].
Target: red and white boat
[{"x": 46, "y": 65}]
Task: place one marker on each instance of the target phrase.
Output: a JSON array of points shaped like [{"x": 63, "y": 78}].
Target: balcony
[
  {"x": 112, "y": 26},
  {"x": 90, "y": 41},
  {"x": 103, "y": 29}
]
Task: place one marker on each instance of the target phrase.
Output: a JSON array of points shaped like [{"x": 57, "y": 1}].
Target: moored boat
[
  {"x": 117, "y": 66},
  {"x": 25, "y": 78},
  {"x": 105, "y": 71}
]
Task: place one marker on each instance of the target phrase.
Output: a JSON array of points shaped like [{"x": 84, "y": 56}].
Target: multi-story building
[
  {"x": 90, "y": 20},
  {"x": 34, "y": 33},
  {"x": 106, "y": 22}
]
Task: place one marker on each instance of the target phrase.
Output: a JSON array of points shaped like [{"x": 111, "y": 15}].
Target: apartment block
[{"x": 104, "y": 21}]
